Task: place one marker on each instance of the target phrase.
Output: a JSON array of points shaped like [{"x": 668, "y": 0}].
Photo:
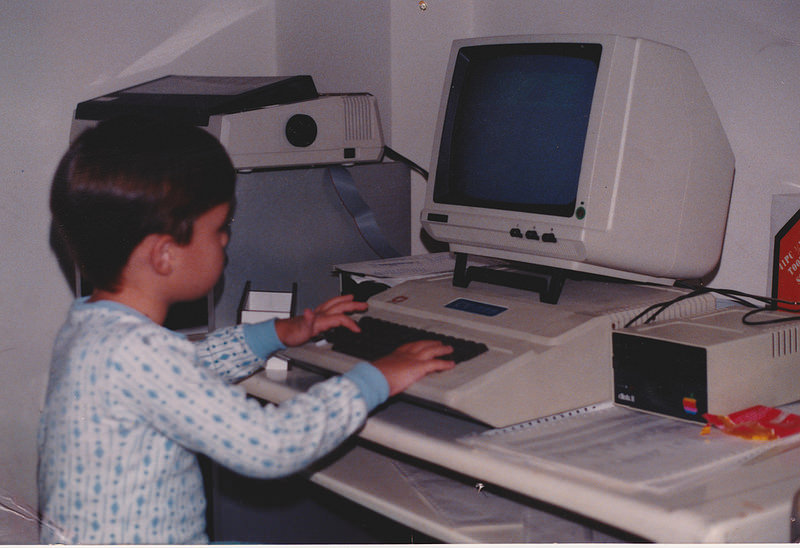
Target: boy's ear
[{"x": 162, "y": 253}]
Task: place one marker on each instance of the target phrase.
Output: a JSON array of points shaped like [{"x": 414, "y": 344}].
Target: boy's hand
[
  {"x": 412, "y": 361},
  {"x": 333, "y": 313}
]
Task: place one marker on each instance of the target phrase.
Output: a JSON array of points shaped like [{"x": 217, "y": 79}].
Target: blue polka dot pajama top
[{"x": 129, "y": 403}]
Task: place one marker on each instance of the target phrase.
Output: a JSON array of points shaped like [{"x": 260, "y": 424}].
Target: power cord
[
  {"x": 770, "y": 304},
  {"x": 396, "y": 156}
]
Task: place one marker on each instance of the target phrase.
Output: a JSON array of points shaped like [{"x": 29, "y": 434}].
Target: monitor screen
[
  {"x": 506, "y": 157},
  {"x": 596, "y": 153}
]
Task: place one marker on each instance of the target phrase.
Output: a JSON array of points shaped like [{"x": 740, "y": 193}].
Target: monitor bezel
[{"x": 466, "y": 58}]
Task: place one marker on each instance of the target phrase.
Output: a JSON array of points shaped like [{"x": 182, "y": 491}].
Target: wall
[
  {"x": 344, "y": 45},
  {"x": 56, "y": 53}
]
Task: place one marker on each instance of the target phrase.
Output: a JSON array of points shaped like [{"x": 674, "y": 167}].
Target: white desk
[{"x": 750, "y": 503}]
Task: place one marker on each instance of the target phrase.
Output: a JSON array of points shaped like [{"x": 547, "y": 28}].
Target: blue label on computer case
[{"x": 476, "y": 307}]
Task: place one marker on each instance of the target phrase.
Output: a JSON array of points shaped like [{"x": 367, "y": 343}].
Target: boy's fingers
[
  {"x": 330, "y": 303},
  {"x": 440, "y": 365},
  {"x": 427, "y": 349},
  {"x": 341, "y": 305},
  {"x": 325, "y": 322}
]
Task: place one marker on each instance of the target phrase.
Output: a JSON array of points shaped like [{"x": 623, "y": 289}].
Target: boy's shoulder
[{"x": 121, "y": 328}]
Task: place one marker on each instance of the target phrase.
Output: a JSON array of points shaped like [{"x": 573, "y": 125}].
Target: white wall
[
  {"x": 344, "y": 45},
  {"x": 56, "y": 53}
]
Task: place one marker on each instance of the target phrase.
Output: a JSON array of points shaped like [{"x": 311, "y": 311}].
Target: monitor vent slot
[
  {"x": 785, "y": 342},
  {"x": 357, "y": 118}
]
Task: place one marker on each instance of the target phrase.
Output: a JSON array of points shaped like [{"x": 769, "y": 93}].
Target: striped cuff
[
  {"x": 370, "y": 382},
  {"x": 262, "y": 338}
]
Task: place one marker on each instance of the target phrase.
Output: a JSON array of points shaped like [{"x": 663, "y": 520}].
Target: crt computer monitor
[{"x": 600, "y": 154}]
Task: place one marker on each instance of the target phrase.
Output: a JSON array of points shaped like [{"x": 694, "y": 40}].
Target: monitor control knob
[{"x": 532, "y": 235}]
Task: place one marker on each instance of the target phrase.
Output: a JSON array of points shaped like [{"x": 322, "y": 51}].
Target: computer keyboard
[{"x": 379, "y": 338}]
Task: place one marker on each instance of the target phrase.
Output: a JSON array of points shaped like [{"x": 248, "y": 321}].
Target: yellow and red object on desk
[{"x": 759, "y": 423}]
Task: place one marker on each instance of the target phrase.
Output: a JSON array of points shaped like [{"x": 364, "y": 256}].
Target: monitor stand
[{"x": 548, "y": 283}]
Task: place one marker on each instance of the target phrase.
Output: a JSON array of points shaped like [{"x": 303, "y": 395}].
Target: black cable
[
  {"x": 747, "y": 321},
  {"x": 396, "y": 156},
  {"x": 666, "y": 305},
  {"x": 663, "y": 306},
  {"x": 770, "y": 303},
  {"x": 740, "y": 295}
]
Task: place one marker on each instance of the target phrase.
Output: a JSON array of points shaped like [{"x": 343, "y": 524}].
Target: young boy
[{"x": 144, "y": 207}]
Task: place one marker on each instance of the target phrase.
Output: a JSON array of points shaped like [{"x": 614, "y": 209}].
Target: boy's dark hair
[{"x": 130, "y": 177}]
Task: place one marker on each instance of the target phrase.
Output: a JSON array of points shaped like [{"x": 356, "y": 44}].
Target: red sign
[{"x": 786, "y": 269}]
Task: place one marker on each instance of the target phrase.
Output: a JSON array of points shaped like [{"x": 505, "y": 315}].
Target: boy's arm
[
  {"x": 198, "y": 410},
  {"x": 262, "y": 340},
  {"x": 234, "y": 353}
]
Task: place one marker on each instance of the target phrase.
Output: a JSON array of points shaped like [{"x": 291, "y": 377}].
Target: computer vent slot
[
  {"x": 357, "y": 118},
  {"x": 784, "y": 342},
  {"x": 687, "y": 308}
]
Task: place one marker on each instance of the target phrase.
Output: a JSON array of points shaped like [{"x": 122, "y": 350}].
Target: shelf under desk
[{"x": 747, "y": 503}]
